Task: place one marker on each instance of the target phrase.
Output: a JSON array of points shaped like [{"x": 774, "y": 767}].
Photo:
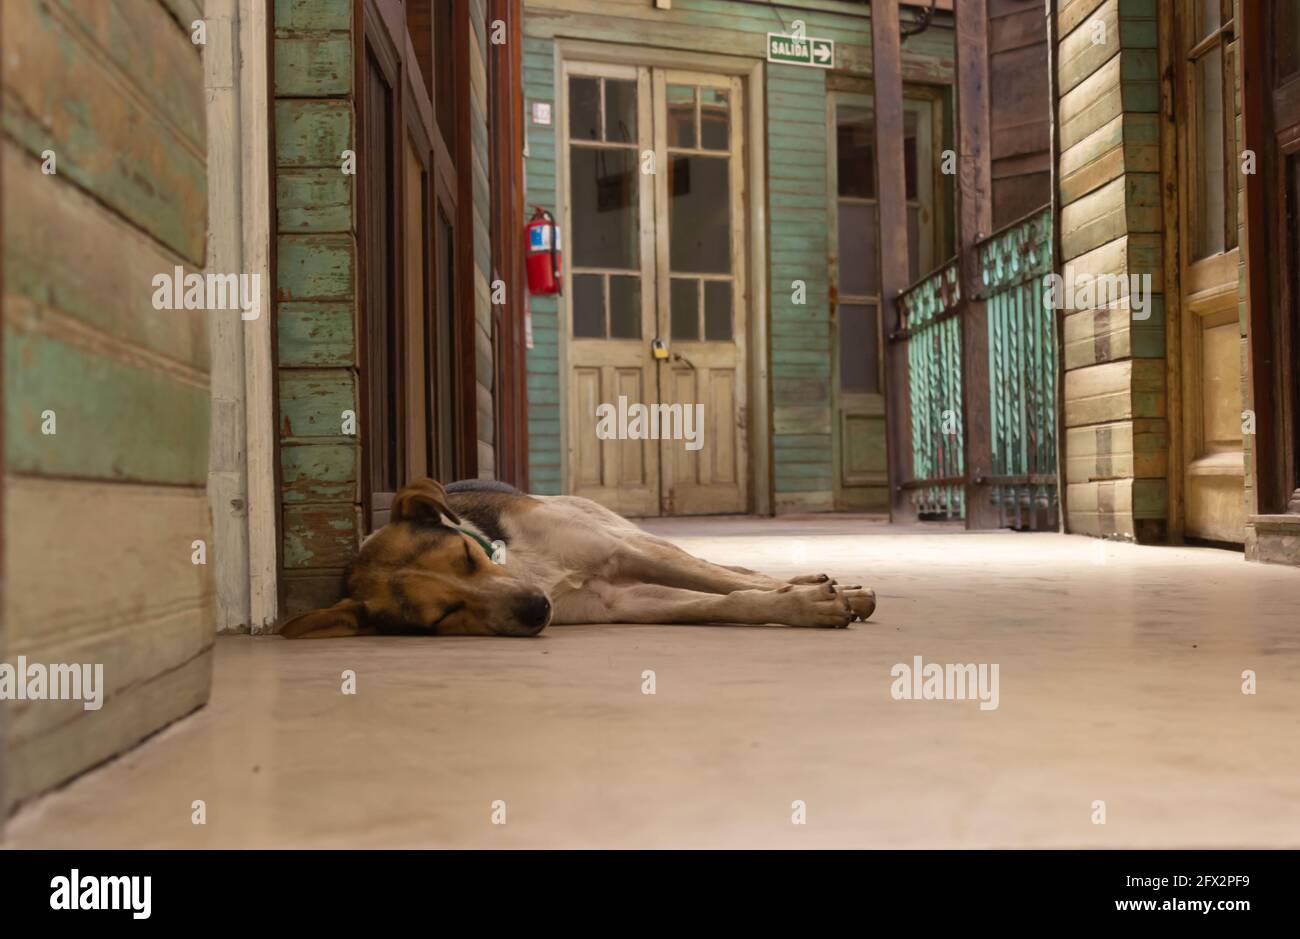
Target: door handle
[{"x": 678, "y": 357}]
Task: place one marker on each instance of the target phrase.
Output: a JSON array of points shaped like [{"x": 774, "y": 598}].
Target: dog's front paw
[
  {"x": 821, "y": 606},
  {"x": 861, "y": 600}
]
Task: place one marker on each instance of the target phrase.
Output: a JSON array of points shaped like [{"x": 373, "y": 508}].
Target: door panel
[
  {"x": 702, "y": 308},
  {"x": 610, "y": 287},
  {"x": 1213, "y": 462},
  {"x": 654, "y": 205},
  {"x": 861, "y": 481}
]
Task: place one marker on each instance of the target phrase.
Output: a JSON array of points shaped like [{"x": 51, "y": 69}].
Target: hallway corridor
[{"x": 1120, "y": 667}]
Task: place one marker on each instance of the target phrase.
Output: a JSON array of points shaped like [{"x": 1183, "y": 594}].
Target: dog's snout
[{"x": 534, "y": 611}]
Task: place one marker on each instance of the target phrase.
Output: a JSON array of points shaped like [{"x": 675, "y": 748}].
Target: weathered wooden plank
[
  {"x": 1094, "y": 336},
  {"x": 319, "y": 472},
  {"x": 313, "y": 66},
  {"x": 1070, "y": 13},
  {"x": 312, "y": 15},
  {"x": 1128, "y": 144},
  {"x": 312, "y": 133},
  {"x": 140, "y": 40},
  {"x": 100, "y": 403},
  {"x": 145, "y": 614},
  {"x": 185, "y": 12},
  {"x": 53, "y": 757},
  {"x": 1130, "y": 204},
  {"x": 1116, "y": 508},
  {"x": 110, "y": 143},
  {"x": 65, "y": 529},
  {"x": 315, "y": 267},
  {"x": 802, "y": 419},
  {"x": 314, "y": 200},
  {"x": 60, "y": 264},
  {"x": 315, "y": 334},
  {"x": 1115, "y": 391},
  {"x": 1119, "y": 450},
  {"x": 319, "y": 535},
  {"x": 312, "y": 401}
]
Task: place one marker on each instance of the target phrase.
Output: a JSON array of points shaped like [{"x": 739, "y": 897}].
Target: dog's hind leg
[
  {"x": 656, "y": 561},
  {"x": 604, "y": 602}
]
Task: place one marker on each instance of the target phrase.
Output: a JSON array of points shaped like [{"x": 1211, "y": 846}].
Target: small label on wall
[
  {"x": 542, "y": 112},
  {"x": 528, "y": 322}
]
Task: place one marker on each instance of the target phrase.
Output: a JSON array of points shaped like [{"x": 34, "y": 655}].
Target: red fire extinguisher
[{"x": 545, "y": 263}]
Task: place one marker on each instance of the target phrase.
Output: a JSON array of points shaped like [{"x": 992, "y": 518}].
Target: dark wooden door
[{"x": 407, "y": 226}]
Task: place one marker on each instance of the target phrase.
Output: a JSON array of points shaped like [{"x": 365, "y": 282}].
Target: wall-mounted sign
[
  {"x": 541, "y": 112},
  {"x": 800, "y": 50}
]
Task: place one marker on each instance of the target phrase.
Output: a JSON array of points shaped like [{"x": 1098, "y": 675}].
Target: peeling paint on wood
[
  {"x": 313, "y": 200},
  {"x": 316, "y": 334},
  {"x": 312, "y": 401},
  {"x": 319, "y": 473},
  {"x": 113, "y": 420},
  {"x": 309, "y": 67},
  {"x": 312, "y": 133},
  {"x": 315, "y": 267},
  {"x": 319, "y": 535}
]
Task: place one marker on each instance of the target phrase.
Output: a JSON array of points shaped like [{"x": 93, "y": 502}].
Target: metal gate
[{"x": 1022, "y": 381}]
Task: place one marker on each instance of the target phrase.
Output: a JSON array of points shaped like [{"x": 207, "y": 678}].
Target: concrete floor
[{"x": 1120, "y": 680}]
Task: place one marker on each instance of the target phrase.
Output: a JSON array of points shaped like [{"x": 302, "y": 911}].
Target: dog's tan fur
[{"x": 567, "y": 560}]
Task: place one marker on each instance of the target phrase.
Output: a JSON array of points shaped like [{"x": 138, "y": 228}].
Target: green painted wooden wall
[
  {"x": 106, "y": 398},
  {"x": 543, "y": 357},
  {"x": 316, "y": 291},
  {"x": 1111, "y": 223},
  {"x": 802, "y": 468},
  {"x": 795, "y": 190}
]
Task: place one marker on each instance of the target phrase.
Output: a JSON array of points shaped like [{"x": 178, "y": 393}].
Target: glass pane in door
[
  {"x": 1210, "y": 188},
  {"x": 700, "y": 214},
  {"x": 605, "y": 203}
]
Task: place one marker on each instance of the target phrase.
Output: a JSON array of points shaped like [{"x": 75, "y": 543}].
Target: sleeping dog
[{"x": 558, "y": 559}]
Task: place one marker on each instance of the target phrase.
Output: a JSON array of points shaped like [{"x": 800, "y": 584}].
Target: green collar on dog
[{"x": 486, "y": 545}]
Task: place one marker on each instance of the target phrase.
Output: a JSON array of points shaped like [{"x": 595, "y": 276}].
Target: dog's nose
[{"x": 534, "y": 611}]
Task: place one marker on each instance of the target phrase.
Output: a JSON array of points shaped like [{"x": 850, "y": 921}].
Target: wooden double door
[{"x": 656, "y": 301}]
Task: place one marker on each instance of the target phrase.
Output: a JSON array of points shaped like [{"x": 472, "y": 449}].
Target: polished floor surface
[{"x": 1119, "y": 693}]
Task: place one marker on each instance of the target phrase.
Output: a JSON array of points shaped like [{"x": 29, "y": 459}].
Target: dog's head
[{"x": 421, "y": 574}]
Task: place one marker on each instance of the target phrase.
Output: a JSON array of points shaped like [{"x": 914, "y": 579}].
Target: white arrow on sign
[{"x": 821, "y": 52}]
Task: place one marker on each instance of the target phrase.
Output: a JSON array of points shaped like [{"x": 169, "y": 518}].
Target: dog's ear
[
  {"x": 345, "y": 618},
  {"x": 422, "y": 500}
]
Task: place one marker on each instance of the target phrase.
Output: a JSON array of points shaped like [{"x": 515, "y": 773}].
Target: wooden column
[
  {"x": 974, "y": 221},
  {"x": 891, "y": 195}
]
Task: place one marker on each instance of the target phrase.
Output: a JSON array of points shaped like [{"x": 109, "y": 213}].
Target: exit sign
[{"x": 800, "y": 50}]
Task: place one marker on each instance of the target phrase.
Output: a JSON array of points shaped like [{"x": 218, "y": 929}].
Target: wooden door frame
[
  {"x": 370, "y": 17},
  {"x": 840, "y": 87},
  {"x": 506, "y": 130},
  {"x": 757, "y": 366},
  {"x": 465, "y": 324}
]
